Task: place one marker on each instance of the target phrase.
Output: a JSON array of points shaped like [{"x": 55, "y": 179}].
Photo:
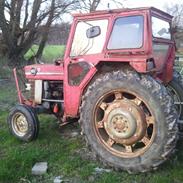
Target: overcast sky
[{"x": 161, "y": 4}]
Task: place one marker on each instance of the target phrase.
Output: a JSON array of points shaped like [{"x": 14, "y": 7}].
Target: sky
[{"x": 161, "y": 4}]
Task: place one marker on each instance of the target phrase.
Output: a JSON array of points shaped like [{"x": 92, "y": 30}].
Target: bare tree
[
  {"x": 177, "y": 24},
  {"x": 119, "y": 4},
  {"x": 56, "y": 10},
  {"x": 88, "y": 5},
  {"x": 92, "y": 5},
  {"x": 176, "y": 11},
  {"x": 21, "y": 21}
]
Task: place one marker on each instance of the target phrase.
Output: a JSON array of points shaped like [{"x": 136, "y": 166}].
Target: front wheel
[
  {"x": 23, "y": 123},
  {"x": 129, "y": 121}
]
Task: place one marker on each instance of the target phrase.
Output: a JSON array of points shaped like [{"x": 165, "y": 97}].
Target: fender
[{"x": 73, "y": 91}]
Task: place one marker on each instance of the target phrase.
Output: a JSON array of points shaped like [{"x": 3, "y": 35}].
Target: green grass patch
[
  {"x": 5, "y": 71},
  {"x": 17, "y": 158},
  {"x": 8, "y": 95},
  {"x": 50, "y": 53}
]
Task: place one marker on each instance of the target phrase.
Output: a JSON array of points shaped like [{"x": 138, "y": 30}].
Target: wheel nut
[{"x": 130, "y": 109}]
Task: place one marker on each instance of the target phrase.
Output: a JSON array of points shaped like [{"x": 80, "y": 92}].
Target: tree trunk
[{"x": 46, "y": 31}]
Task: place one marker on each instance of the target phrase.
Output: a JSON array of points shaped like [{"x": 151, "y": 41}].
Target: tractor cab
[{"x": 140, "y": 37}]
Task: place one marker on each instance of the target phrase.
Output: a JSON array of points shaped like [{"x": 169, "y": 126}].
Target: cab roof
[{"x": 116, "y": 11}]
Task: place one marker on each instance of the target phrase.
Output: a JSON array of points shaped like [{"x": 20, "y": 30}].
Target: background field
[
  {"x": 66, "y": 155},
  {"x": 50, "y": 52}
]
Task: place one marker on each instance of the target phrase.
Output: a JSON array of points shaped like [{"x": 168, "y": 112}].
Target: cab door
[{"x": 163, "y": 46}]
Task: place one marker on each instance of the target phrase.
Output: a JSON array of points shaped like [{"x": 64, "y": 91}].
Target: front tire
[
  {"x": 129, "y": 121},
  {"x": 23, "y": 123}
]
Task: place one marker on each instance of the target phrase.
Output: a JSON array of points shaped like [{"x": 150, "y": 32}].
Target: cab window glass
[
  {"x": 160, "y": 28},
  {"x": 89, "y": 37},
  {"x": 127, "y": 33}
]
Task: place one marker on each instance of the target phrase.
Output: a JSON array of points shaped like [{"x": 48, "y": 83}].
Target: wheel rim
[
  {"x": 19, "y": 124},
  {"x": 123, "y": 123},
  {"x": 176, "y": 98}
]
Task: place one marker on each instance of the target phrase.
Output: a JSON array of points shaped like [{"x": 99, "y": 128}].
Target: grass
[
  {"x": 50, "y": 52},
  {"x": 61, "y": 153},
  {"x": 5, "y": 71}
]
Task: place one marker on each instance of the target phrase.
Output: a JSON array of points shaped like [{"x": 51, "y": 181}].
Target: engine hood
[{"x": 44, "y": 72}]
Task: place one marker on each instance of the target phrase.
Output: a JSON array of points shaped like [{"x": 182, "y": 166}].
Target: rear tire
[
  {"x": 23, "y": 123},
  {"x": 175, "y": 88},
  {"x": 108, "y": 95}
]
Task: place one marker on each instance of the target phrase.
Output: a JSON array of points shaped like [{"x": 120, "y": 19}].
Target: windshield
[
  {"x": 82, "y": 45},
  {"x": 127, "y": 33}
]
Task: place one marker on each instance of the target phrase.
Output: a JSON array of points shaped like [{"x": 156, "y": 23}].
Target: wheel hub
[
  {"x": 20, "y": 124},
  {"x": 125, "y": 122},
  {"x": 119, "y": 123}
]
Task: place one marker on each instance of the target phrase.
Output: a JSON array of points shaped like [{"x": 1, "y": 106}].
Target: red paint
[
  {"x": 17, "y": 86},
  {"x": 55, "y": 108},
  {"x": 45, "y": 72},
  {"x": 136, "y": 58}
]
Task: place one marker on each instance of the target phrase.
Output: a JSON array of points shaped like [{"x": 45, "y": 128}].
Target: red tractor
[{"x": 117, "y": 79}]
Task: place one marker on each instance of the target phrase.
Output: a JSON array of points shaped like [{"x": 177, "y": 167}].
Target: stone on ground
[
  {"x": 58, "y": 179},
  {"x": 101, "y": 170},
  {"x": 40, "y": 168}
]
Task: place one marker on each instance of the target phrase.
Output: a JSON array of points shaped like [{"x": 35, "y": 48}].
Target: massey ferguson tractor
[{"x": 117, "y": 79}]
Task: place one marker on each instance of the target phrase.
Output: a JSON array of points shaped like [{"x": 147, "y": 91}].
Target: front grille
[{"x": 27, "y": 94}]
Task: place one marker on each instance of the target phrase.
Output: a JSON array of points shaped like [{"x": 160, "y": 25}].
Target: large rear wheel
[
  {"x": 129, "y": 121},
  {"x": 175, "y": 88}
]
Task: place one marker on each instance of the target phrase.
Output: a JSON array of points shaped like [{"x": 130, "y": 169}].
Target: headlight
[
  {"x": 33, "y": 71},
  {"x": 28, "y": 86}
]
